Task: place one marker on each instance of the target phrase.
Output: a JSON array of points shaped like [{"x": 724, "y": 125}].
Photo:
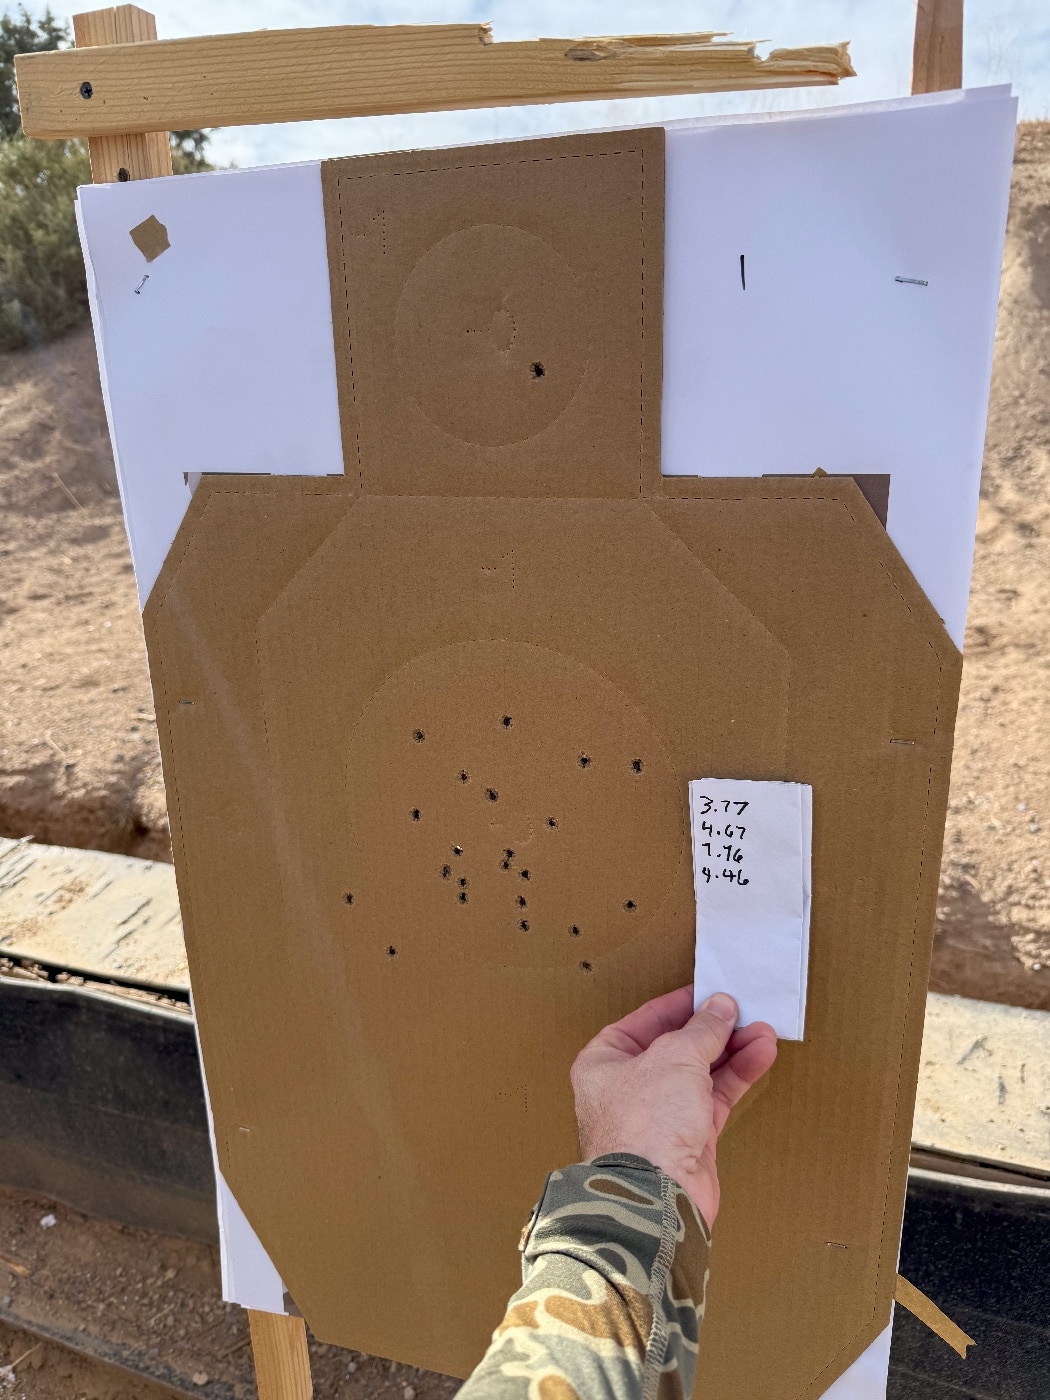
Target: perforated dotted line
[
  {"x": 641, "y": 365},
  {"x": 485, "y": 165},
  {"x": 350, "y": 348},
  {"x": 343, "y": 179}
]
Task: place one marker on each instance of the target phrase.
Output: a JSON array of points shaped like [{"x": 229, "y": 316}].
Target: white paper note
[{"x": 752, "y": 858}]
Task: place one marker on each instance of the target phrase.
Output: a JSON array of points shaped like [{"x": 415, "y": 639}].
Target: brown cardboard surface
[
  {"x": 397, "y": 704},
  {"x": 497, "y": 315},
  {"x": 927, "y": 1311}
]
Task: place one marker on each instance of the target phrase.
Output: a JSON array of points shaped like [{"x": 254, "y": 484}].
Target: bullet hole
[
  {"x": 415, "y": 814},
  {"x": 524, "y": 874},
  {"x": 574, "y": 931},
  {"x": 524, "y": 926},
  {"x": 348, "y": 898},
  {"x": 552, "y": 823},
  {"x": 391, "y": 952},
  {"x": 522, "y": 901},
  {"x": 446, "y": 872},
  {"x": 585, "y": 760},
  {"x": 509, "y": 855},
  {"x": 492, "y": 794},
  {"x": 463, "y": 896},
  {"x": 86, "y": 90},
  {"x": 506, "y": 721},
  {"x": 536, "y": 370},
  {"x": 123, "y": 174},
  {"x": 637, "y": 765},
  {"x": 457, "y": 850},
  {"x": 585, "y": 967},
  {"x": 464, "y": 776},
  {"x": 418, "y": 735},
  {"x": 463, "y": 882},
  {"x": 505, "y": 864},
  {"x": 630, "y": 906}
]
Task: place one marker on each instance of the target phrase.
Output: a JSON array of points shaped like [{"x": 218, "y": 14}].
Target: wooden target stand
[{"x": 299, "y": 75}]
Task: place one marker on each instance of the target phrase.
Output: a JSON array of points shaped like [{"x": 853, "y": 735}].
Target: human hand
[{"x": 661, "y": 1083}]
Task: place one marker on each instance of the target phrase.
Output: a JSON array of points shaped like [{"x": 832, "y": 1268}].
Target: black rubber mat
[{"x": 982, "y": 1253}]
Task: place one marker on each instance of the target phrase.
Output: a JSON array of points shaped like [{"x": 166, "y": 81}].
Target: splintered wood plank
[
  {"x": 282, "y": 1361},
  {"x": 367, "y": 70},
  {"x": 122, "y": 156},
  {"x": 937, "y": 59}
]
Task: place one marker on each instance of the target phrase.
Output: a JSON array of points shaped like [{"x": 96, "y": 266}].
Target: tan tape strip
[{"x": 920, "y": 1306}]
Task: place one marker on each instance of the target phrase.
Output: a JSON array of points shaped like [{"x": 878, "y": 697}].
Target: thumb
[{"x": 711, "y": 1026}]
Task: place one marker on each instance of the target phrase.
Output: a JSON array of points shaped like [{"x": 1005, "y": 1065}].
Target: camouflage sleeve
[{"x": 614, "y": 1268}]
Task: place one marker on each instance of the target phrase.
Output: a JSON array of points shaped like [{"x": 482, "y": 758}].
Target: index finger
[{"x": 636, "y": 1031}]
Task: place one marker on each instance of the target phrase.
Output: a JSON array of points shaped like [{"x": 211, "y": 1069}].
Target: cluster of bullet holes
[{"x": 584, "y": 761}]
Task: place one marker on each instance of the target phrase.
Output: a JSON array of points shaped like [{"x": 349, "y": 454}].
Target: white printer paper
[{"x": 752, "y": 858}]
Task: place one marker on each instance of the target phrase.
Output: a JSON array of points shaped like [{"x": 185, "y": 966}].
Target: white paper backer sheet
[
  {"x": 752, "y": 859},
  {"x": 830, "y": 291}
]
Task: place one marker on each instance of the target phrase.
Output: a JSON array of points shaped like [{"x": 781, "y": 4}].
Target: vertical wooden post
[
  {"x": 141, "y": 154},
  {"x": 937, "y": 59},
  {"x": 282, "y": 1362}
]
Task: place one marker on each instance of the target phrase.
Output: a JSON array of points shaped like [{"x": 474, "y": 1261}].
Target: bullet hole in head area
[
  {"x": 464, "y": 776},
  {"x": 446, "y": 872},
  {"x": 524, "y": 925},
  {"x": 508, "y": 854},
  {"x": 505, "y": 864},
  {"x": 585, "y": 760},
  {"x": 524, "y": 874},
  {"x": 457, "y": 850},
  {"x": 630, "y": 906},
  {"x": 536, "y": 370},
  {"x": 637, "y": 765},
  {"x": 418, "y": 736},
  {"x": 574, "y": 931},
  {"x": 463, "y": 896},
  {"x": 415, "y": 814},
  {"x": 463, "y": 882},
  {"x": 552, "y": 823},
  {"x": 506, "y": 721},
  {"x": 522, "y": 901},
  {"x": 492, "y": 794},
  {"x": 391, "y": 952},
  {"x": 586, "y": 967},
  {"x": 348, "y": 898}
]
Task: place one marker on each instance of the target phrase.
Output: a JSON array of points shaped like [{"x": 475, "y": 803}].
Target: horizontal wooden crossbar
[{"x": 287, "y": 75}]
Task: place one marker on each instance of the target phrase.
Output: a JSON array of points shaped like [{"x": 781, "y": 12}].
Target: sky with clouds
[{"x": 1005, "y": 41}]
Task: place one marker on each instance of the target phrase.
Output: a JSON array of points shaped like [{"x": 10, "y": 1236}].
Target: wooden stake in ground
[
  {"x": 937, "y": 58},
  {"x": 282, "y": 1362},
  {"x": 122, "y": 157}
]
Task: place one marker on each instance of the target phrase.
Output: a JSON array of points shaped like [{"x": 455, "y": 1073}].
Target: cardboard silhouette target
[{"x": 427, "y": 730}]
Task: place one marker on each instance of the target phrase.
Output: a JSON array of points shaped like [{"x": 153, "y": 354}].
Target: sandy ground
[
  {"x": 78, "y": 751},
  {"x": 150, "y": 1300}
]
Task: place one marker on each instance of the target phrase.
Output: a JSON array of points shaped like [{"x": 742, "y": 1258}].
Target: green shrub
[{"x": 43, "y": 292}]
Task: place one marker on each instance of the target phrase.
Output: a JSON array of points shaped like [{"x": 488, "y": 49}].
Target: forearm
[{"x": 614, "y": 1266}]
